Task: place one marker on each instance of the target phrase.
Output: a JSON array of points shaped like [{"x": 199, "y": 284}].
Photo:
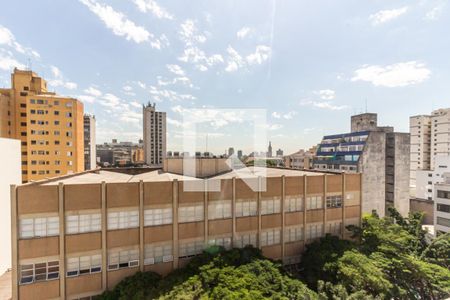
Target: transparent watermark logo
[{"x": 206, "y": 172}]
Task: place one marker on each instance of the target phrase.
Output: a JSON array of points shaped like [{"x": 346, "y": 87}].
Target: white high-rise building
[
  {"x": 430, "y": 138},
  {"x": 154, "y": 136},
  {"x": 90, "y": 151}
]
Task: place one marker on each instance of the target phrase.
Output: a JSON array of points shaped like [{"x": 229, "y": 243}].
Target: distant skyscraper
[
  {"x": 90, "y": 153},
  {"x": 230, "y": 151},
  {"x": 154, "y": 136},
  {"x": 269, "y": 150},
  {"x": 239, "y": 153}
]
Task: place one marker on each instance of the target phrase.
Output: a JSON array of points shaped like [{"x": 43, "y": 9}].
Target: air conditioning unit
[
  {"x": 167, "y": 258},
  {"x": 149, "y": 261},
  {"x": 134, "y": 263}
]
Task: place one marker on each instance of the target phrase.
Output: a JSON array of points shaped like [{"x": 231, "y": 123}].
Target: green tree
[{"x": 438, "y": 252}]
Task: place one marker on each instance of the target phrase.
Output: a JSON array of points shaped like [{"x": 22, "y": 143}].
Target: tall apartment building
[
  {"x": 154, "y": 136},
  {"x": 90, "y": 152},
  {"x": 80, "y": 235},
  {"x": 379, "y": 153},
  {"x": 430, "y": 138},
  {"x": 50, "y": 127},
  {"x": 442, "y": 205}
]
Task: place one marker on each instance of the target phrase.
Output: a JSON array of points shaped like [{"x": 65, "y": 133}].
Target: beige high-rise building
[
  {"x": 154, "y": 136},
  {"x": 50, "y": 127},
  {"x": 430, "y": 138}
]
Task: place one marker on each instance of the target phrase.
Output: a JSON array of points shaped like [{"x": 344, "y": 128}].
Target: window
[
  {"x": 157, "y": 216},
  {"x": 270, "y": 237},
  {"x": 220, "y": 241},
  {"x": 314, "y": 231},
  {"x": 83, "y": 223},
  {"x": 293, "y": 204},
  {"x": 219, "y": 209},
  {"x": 443, "y": 207},
  {"x": 244, "y": 239},
  {"x": 39, "y": 272},
  {"x": 123, "y": 259},
  {"x": 443, "y": 194},
  {"x": 123, "y": 219},
  {"x": 39, "y": 227},
  {"x": 293, "y": 234},
  {"x": 443, "y": 221},
  {"x": 246, "y": 208},
  {"x": 84, "y": 265},
  {"x": 155, "y": 254},
  {"x": 191, "y": 213},
  {"x": 334, "y": 201},
  {"x": 334, "y": 228},
  {"x": 271, "y": 206},
  {"x": 314, "y": 202},
  {"x": 191, "y": 248}
]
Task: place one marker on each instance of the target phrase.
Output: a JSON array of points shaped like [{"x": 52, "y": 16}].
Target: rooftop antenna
[{"x": 29, "y": 65}]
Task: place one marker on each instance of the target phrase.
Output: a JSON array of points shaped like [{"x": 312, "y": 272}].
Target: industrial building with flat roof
[{"x": 76, "y": 236}]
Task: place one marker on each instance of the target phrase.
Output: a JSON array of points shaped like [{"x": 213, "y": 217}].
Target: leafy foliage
[
  {"x": 391, "y": 261},
  {"x": 234, "y": 274}
]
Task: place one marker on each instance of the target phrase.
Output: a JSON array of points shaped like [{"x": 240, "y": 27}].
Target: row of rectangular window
[
  {"x": 41, "y": 227},
  {"x": 154, "y": 254}
]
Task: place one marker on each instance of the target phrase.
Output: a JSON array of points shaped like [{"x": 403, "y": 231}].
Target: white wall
[
  {"x": 424, "y": 190},
  {"x": 10, "y": 173}
]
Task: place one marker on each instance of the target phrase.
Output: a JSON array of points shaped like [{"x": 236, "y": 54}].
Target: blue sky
[{"x": 310, "y": 64}]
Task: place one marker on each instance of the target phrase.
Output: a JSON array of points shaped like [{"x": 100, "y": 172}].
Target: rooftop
[{"x": 98, "y": 176}]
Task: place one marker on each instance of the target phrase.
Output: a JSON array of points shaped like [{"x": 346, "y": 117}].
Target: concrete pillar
[
  {"x": 14, "y": 243},
  {"x": 205, "y": 211},
  {"x": 258, "y": 206},
  {"x": 305, "y": 192},
  {"x": 104, "y": 239},
  {"x": 324, "y": 204},
  {"x": 283, "y": 212},
  {"x": 141, "y": 225},
  {"x": 62, "y": 242},
  {"x": 233, "y": 211},
  {"x": 175, "y": 222},
  {"x": 343, "y": 206}
]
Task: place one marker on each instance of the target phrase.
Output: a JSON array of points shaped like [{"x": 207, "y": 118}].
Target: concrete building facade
[
  {"x": 299, "y": 160},
  {"x": 90, "y": 149},
  {"x": 442, "y": 206},
  {"x": 50, "y": 127},
  {"x": 430, "y": 138},
  {"x": 379, "y": 153},
  {"x": 80, "y": 235},
  {"x": 154, "y": 136}
]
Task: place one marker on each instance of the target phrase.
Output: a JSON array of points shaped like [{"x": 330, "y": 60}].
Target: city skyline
[{"x": 310, "y": 67}]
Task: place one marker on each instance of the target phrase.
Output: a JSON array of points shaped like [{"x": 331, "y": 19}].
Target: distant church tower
[{"x": 269, "y": 150}]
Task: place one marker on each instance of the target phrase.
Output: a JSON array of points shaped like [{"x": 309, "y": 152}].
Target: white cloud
[
  {"x": 93, "y": 92},
  {"x": 86, "y": 98},
  {"x": 160, "y": 95},
  {"x": 326, "y": 94},
  {"x": 243, "y": 32},
  {"x": 395, "y": 75},
  {"x": 323, "y": 105},
  {"x": 235, "y": 60},
  {"x": 217, "y": 118},
  {"x": 127, "y": 88},
  {"x": 110, "y": 100},
  {"x": 173, "y": 122},
  {"x": 287, "y": 116},
  {"x": 176, "y": 69},
  {"x": 120, "y": 24},
  {"x": 136, "y": 104},
  {"x": 8, "y": 62},
  {"x": 7, "y": 38},
  {"x": 154, "y": 8},
  {"x": 141, "y": 85},
  {"x": 189, "y": 33},
  {"x": 272, "y": 127},
  {"x": 261, "y": 54},
  {"x": 435, "y": 12},
  {"x": 384, "y": 16},
  {"x": 59, "y": 79}
]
